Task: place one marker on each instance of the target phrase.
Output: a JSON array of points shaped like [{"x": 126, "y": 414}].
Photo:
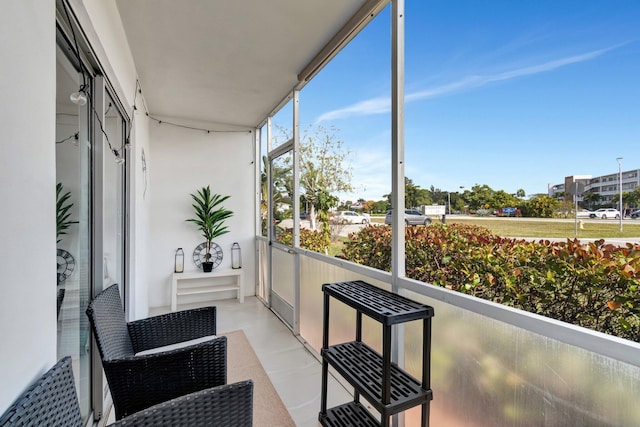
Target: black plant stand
[{"x": 383, "y": 384}]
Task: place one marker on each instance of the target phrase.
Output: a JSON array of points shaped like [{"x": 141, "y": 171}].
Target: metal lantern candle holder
[
  {"x": 178, "y": 265},
  {"x": 236, "y": 256}
]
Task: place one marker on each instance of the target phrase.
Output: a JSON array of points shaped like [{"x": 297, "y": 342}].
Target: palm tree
[{"x": 590, "y": 199}]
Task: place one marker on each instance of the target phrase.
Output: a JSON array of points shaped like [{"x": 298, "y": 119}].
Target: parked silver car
[
  {"x": 411, "y": 217},
  {"x": 351, "y": 217}
]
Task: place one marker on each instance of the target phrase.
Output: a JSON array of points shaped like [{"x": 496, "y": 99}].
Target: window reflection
[
  {"x": 282, "y": 194},
  {"x": 113, "y": 200},
  {"x": 73, "y": 152}
]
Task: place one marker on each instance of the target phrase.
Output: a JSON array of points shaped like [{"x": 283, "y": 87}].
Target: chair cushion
[{"x": 175, "y": 346}]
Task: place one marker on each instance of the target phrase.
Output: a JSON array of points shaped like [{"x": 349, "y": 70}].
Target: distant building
[
  {"x": 607, "y": 186},
  {"x": 573, "y": 183},
  {"x": 554, "y": 189}
]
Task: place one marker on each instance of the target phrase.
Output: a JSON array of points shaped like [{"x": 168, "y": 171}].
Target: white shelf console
[{"x": 178, "y": 289}]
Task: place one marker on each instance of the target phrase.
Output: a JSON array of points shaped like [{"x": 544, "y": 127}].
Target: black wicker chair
[
  {"x": 52, "y": 401},
  {"x": 138, "y": 382}
]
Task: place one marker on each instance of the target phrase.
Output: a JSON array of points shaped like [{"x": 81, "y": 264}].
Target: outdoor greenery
[
  {"x": 594, "y": 285},
  {"x": 483, "y": 200},
  {"x": 322, "y": 170},
  {"x": 594, "y": 229},
  {"x": 312, "y": 240},
  {"x": 282, "y": 191}
]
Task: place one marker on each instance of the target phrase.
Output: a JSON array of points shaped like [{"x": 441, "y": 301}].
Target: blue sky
[{"x": 512, "y": 94}]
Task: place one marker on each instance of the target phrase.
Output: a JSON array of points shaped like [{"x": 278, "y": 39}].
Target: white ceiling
[{"x": 226, "y": 61}]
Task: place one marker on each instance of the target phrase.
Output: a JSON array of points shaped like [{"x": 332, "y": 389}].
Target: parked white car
[
  {"x": 584, "y": 213},
  {"x": 604, "y": 213},
  {"x": 351, "y": 217}
]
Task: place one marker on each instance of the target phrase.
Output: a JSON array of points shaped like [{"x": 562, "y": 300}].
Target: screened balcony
[
  {"x": 491, "y": 365},
  {"x": 201, "y": 89}
]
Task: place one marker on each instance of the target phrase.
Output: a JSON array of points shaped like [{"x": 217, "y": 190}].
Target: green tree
[
  {"x": 502, "y": 199},
  {"x": 381, "y": 206},
  {"x": 633, "y": 197},
  {"x": 322, "y": 167},
  {"x": 282, "y": 190},
  {"x": 540, "y": 207},
  {"x": 591, "y": 199},
  {"x": 625, "y": 200},
  {"x": 438, "y": 197},
  {"x": 367, "y": 206},
  {"x": 565, "y": 208},
  {"x": 520, "y": 193},
  {"x": 479, "y": 197},
  {"x": 415, "y": 196},
  {"x": 324, "y": 202}
]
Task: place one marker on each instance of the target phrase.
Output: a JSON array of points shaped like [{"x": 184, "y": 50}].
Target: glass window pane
[
  {"x": 113, "y": 198},
  {"x": 73, "y": 171},
  {"x": 264, "y": 184},
  {"x": 282, "y": 193},
  {"x": 281, "y": 125}
]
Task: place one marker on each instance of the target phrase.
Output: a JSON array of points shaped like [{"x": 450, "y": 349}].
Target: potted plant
[
  {"x": 65, "y": 261},
  {"x": 209, "y": 217},
  {"x": 62, "y": 212}
]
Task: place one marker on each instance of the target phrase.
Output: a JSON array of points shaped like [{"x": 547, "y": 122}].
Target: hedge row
[
  {"x": 594, "y": 286},
  {"x": 312, "y": 240}
]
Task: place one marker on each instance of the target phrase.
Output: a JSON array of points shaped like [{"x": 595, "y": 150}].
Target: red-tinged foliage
[{"x": 593, "y": 285}]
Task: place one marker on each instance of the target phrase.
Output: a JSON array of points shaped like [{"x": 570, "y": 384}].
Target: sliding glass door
[
  {"x": 91, "y": 130},
  {"x": 73, "y": 177}
]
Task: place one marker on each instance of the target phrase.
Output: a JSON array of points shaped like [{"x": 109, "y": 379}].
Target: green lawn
[
  {"x": 556, "y": 229},
  {"x": 512, "y": 227}
]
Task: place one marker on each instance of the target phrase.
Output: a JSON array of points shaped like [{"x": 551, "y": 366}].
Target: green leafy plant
[
  {"x": 313, "y": 240},
  {"x": 595, "y": 285},
  {"x": 62, "y": 212},
  {"x": 209, "y": 216}
]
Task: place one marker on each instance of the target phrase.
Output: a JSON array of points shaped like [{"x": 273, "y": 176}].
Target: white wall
[
  {"x": 140, "y": 212},
  {"x": 101, "y": 23},
  {"x": 181, "y": 162},
  {"x": 27, "y": 191}
]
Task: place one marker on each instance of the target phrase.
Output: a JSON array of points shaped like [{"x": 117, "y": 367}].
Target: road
[{"x": 352, "y": 228}]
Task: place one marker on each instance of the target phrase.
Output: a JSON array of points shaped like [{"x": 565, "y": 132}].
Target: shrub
[
  {"x": 594, "y": 286},
  {"x": 312, "y": 240}
]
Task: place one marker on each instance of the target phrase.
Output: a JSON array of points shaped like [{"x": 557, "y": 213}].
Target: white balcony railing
[{"x": 491, "y": 365}]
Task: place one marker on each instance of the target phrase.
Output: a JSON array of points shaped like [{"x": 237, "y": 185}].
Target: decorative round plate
[
  {"x": 66, "y": 265},
  {"x": 201, "y": 250}
]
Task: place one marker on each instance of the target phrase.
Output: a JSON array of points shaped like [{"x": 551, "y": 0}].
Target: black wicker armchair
[
  {"x": 52, "y": 401},
  {"x": 140, "y": 381}
]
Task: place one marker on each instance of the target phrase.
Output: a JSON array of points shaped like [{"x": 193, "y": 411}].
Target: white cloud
[
  {"x": 371, "y": 175},
  {"x": 363, "y": 108},
  {"x": 383, "y": 104}
]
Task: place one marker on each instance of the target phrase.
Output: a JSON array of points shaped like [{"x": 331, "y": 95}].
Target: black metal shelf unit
[{"x": 383, "y": 384}]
